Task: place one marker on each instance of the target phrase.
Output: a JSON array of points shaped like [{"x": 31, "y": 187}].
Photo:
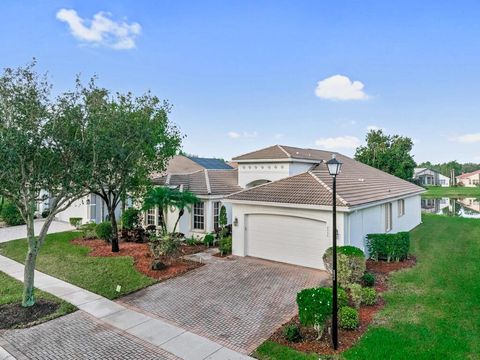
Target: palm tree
[{"x": 183, "y": 200}]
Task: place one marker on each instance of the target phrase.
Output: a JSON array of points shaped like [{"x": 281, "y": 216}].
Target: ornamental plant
[
  {"x": 368, "y": 279},
  {"x": 368, "y": 296},
  {"x": 356, "y": 294},
  {"x": 348, "y": 318},
  {"x": 104, "y": 231},
  {"x": 351, "y": 264},
  {"x": 130, "y": 219},
  {"x": 315, "y": 306}
]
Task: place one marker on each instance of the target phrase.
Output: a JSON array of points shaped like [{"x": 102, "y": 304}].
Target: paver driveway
[{"x": 238, "y": 303}]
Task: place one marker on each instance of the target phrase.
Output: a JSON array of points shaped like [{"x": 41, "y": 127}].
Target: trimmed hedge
[
  {"x": 348, "y": 318},
  {"x": 104, "y": 230},
  {"x": 11, "y": 215},
  {"x": 130, "y": 219},
  {"x": 388, "y": 246}
]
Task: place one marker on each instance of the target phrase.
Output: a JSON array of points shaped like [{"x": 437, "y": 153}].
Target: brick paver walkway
[
  {"x": 238, "y": 303},
  {"x": 77, "y": 336}
]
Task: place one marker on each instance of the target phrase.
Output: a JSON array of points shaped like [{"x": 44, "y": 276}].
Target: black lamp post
[{"x": 334, "y": 166}]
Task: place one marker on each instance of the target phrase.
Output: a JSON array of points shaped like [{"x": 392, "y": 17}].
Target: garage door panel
[{"x": 289, "y": 239}]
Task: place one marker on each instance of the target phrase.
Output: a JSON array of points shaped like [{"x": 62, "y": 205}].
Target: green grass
[
  {"x": 11, "y": 292},
  {"x": 101, "y": 275},
  {"x": 432, "y": 310},
  {"x": 458, "y": 191}
]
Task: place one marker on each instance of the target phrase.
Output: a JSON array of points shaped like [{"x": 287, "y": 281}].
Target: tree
[
  {"x": 41, "y": 148},
  {"x": 388, "y": 153},
  {"x": 163, "y": 197},
  {"x": 129, "y": 139}
]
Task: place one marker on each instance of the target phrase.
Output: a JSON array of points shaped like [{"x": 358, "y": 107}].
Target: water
[{"x": 463, "y": 207}]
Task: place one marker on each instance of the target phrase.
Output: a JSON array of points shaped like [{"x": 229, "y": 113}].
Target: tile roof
[
  {"x": 468, "y": 174},
  {"x": 357, "y": 184},
  {"x": 203, "y": 182},
  {"x": 285, "y": 152}
]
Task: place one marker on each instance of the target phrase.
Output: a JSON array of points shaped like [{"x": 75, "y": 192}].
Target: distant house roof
[
  {"x": 203, "y": 182},
  {"x": 466, "y": 175},
  {"x": 210, "y": 163},
  {"x": 419, "y": 170},
  {"x": 357, "y": 184},
  {"x": 285, "y": 152}
]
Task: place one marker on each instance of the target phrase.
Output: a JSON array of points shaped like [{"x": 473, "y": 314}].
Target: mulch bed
[
  {"x": 143, "y": 258},
  {"x": 14, "y": 315},
  {"x": 347, "y": 338}
]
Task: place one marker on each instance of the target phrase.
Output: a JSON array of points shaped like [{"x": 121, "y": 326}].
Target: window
[
  {"x": 159, "y": 216},
  {"x": 216, "y": 214},
  {"x": 401, "y": 207},
  {"x": 388, "y": 217},
  {"x": 199, "y": 216},
  {"x": 150, "y": 218}
]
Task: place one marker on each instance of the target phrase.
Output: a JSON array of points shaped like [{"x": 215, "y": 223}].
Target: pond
[{"x": 463, "y": 207}]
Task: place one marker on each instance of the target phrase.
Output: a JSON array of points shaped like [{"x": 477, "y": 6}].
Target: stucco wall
[
  {"x": 372, "y": 220},
  {"x": 248, "y": 172}
]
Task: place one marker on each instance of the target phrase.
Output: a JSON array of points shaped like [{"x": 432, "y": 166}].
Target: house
[
  {"x": 430, "y": 177},
  {"x": 471, "y": 179},
  {"x": 210, "y": 179},
  {"x": 284, "y": 212}
]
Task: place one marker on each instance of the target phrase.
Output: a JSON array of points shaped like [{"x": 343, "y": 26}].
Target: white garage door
[{"x": 288, "y": 239}]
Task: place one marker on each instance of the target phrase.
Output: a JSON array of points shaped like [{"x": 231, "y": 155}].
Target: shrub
[
  {"x": 104, "y": 230},
  {"x": 45, "y": 213},
  {"x": 166, "y": 246},
  {"x": 348, "y": 318},
  {"x": 356, "y": 294},
  {"x": 11, "y": 215},
  {"x": 209, "y": 239},
  {"x": 315, "y": 306},
  {"x": 350, "y": 264},
  {"x": 225, "y": 245},
  {"x": 88, "y": 230},
  {"x": 130, "y": 219},
  {"x": 75, "y": 221},
  {"x": 388, "y": 246},
  {"x": 369, "y": 296},
  {"x": 368, "y": 279},
  {"x": 292, "y": 333},
  {"x": 191, "y": 241}
]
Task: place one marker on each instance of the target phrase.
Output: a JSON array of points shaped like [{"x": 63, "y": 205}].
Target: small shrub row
[
  {"x": 388, "y": 246},
  {"x": 348, "y": 318}
]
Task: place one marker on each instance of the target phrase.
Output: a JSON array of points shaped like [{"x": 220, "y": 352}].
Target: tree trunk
[
  {"x": 113, "y": 220},
  {"x": 28, "y": 298},
  {"x": 180, "y": 214}
]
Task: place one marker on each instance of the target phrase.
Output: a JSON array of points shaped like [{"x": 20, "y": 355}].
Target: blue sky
[{"x": 245, "y": 74}]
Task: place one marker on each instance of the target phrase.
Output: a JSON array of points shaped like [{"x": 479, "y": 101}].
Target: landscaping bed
[
  {"x": 13, "y": 315},
  {"x": 143, "y": 258},
  {"x": 347, "y": 338}
]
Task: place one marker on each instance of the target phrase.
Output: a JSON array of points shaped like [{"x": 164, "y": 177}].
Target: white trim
[{"x": 207, "y": 181}]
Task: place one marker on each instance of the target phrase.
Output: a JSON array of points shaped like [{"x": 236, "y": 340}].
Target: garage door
[{"x": 288, "y": 239}]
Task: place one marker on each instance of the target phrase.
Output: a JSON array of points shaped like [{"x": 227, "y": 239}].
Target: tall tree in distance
[
  {"x": 129, "y": 138},
  {"x": 42, "y": 151},
  {"x": 389, "y": 153}
]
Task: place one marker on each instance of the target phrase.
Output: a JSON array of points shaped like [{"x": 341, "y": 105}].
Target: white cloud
[
  {"x": 467, "y": 138},
  {"x": 101, "y": 30},
  {"x": 244, "y": 134},
  {"x": 340, "y": 87},
  {"x": 340, "y": 142}
]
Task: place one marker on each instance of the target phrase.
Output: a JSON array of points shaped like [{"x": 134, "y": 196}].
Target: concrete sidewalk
[
  {"x": 175, "y": 340},
  {"x": 5, "y": 355},
  {"x": 19, "y": 232}
]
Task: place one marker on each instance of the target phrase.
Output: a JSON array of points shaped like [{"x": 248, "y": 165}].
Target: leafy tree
[
  {"x": 41, "y": 148},
  {"x": 389, "y": 153},
  {"x": 129, "y": 139}
]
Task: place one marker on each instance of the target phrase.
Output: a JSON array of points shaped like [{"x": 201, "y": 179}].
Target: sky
[{"x": 242, "y": 75}]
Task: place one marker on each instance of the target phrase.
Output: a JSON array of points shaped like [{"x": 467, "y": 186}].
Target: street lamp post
[{"x": 334, "y": 167}]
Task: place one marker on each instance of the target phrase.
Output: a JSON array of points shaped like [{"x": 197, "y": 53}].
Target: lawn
[
  {"x": 71, "y": 263},
  {"x": 432, "y": 309},
  {"x": 11, "y": 292},
  {"x": 458, "y": 191}
]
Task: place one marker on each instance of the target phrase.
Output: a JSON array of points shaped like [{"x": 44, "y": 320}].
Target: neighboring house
[
  {"x": 285, "y": 212},
  {"x": 429, "y": 177},
  {"x": 471, "y": 179},
  {"x": 90, "y": 208}
]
